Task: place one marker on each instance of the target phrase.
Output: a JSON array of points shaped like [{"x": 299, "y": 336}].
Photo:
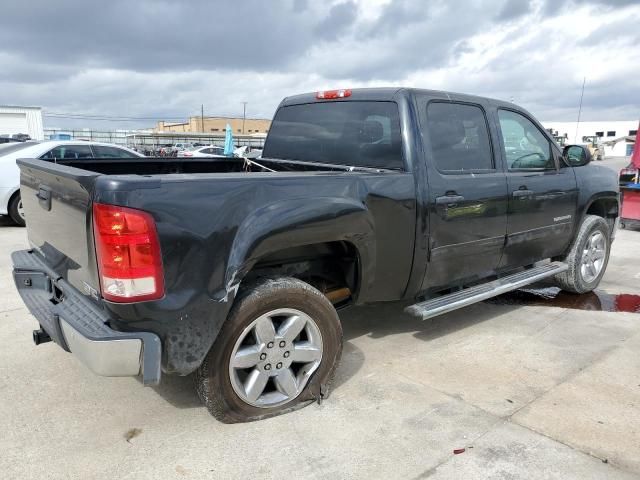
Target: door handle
[
  {"x": 449, "y": 199},
  {"x": 522, "y": 193}
]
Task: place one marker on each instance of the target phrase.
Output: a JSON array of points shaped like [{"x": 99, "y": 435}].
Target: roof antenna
[{"x": 575, "y": 139}]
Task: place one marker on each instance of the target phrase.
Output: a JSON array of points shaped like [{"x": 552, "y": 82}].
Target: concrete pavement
[{"x": 528, "y": 391}]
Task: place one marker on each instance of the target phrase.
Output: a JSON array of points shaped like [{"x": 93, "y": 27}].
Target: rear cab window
[{"x": 353, "y": 133}]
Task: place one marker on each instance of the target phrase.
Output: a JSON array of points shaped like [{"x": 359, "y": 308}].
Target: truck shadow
[
  {"x": 5, "y": 221},
  {"x": 379, "y": 321},
  {"x": 388, "y": 319},
  {"x": 374, "y": 321},
  {"x": 179, "y": 391}
]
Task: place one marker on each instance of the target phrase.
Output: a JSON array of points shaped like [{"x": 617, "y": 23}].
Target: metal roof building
[{"x": 16, "y": 119}]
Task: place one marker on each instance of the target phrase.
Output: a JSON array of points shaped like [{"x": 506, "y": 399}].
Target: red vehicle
[{"x": 630, "y": 189}]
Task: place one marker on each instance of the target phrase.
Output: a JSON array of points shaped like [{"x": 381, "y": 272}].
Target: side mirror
[{"x": 576, "y": 155}]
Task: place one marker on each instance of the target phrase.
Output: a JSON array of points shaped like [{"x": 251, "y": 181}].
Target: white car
[
  {"x": 10, "y": 202},
  {"x": 207, "y": 151}
]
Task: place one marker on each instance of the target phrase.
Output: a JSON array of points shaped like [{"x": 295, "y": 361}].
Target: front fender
[{"x": 298, "y": 222}]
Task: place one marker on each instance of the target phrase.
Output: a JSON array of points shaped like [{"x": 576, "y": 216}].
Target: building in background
[
  {"x": 617, "y": 137},
  {"x": 252, "y": 126},
  {"x": 16, "y": 120}
]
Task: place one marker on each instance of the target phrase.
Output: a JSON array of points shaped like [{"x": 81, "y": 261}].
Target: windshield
[{"x": 363, "y": 134}]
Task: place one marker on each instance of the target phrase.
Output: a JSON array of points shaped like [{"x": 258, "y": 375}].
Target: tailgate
[{"x": 57, "y": 200}]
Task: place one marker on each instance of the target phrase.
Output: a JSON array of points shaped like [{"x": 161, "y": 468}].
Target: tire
[
  {"x": 578, "y": 279},
  {"x": 222, "y": 386},
  {"x": 15, "y": 206}
]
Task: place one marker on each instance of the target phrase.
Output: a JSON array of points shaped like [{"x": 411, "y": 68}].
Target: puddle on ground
[{"x": 554, "y": 297}]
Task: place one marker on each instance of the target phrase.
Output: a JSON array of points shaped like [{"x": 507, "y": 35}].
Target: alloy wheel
[
  {"x": 274, "y": 357},
  {"x": 593, "y": 256},
  {"x": 20, "y": 209}
]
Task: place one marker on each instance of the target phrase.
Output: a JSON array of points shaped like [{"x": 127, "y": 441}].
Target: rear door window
[
  {"x": 459, "y": 137},
  {"x": 362, "y": 134},
  {"x": 65, "y": 152}
]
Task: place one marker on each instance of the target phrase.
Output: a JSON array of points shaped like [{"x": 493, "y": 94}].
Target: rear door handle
[
  {"x": 522, "y": 193},
  {"x": 449, "y": 199}
]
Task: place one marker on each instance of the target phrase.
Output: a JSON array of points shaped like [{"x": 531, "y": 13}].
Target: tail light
[
  {"x": 187, "y": 154},
  {"x": 329, "y": 94},
  {"x": 128, "y": 251}
]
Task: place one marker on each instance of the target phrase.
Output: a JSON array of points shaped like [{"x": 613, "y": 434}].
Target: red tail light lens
[
  {"x": 330, "y": 94},
  {"x": 128, "y": 251}
]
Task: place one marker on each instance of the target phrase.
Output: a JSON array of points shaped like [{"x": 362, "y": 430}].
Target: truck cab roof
[{"x": 393, "y": 94}]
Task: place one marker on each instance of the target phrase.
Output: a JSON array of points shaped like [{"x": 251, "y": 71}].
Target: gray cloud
[
  {"x": 552, "y": 7},
  {"x": 339, "y": 19},
  {"x": 161, "y": 58},
  {"x": 408, "y": 36},
  {"x": 158, "y": 36},
  {"x": 623, "y": 32},
  {"x": 513, "y": 9}
]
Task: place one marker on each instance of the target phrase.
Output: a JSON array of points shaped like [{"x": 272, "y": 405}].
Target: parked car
[
  {"x": 234, "y": 270},
  {"x": 16, "y": 137},
  {"x": 10, "y": 199},
  {"x": 168, "y": 151},
  {"x": 206, "y": 151},
  {"x": 178, "y": 147}
]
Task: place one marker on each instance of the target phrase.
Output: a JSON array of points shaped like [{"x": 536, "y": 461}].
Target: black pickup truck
[{"x": 234, "y": 269}]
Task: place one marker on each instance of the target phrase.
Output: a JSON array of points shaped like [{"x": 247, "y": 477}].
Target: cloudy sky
[{"x": 145, "y": 60}]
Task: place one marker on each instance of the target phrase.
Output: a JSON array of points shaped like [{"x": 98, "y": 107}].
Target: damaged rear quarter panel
[{"x": 214, "y": 227}]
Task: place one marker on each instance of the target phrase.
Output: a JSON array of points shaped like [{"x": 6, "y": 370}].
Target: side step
[{"x": 468, "y": 296}]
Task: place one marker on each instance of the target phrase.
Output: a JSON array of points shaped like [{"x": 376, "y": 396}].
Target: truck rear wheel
[
  {"x": 588, "y": 256},
  {"x": 277, "y": 351}
]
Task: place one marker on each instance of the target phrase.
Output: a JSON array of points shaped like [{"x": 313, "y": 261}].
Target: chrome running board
[{"x": 468, "y": 296}]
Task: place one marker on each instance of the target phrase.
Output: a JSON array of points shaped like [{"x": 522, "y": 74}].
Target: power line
[
  {"x": 126, "y": 118},
  {"x": 108, "y": 117}
]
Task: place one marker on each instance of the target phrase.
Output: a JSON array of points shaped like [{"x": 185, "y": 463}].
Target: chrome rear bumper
[{"x": 78, "y": 325}]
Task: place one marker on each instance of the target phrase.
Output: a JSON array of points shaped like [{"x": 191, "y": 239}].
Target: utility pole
[
  {"x": 575, "y": 139},
  {"x": 244, "y": 114},
  {"x": 202, "y": 117}
]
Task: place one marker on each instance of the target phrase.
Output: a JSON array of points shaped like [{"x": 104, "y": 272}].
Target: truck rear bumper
[{"x": 76, "y": 324}]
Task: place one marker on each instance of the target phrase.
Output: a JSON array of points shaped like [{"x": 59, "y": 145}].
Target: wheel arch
[
  {"x": 603, "y": 205},
  {"x": 9, "y": 198},
  {"x": 320, "y": 232}
]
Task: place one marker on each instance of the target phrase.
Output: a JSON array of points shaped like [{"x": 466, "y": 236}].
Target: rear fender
[{"x": 300, "y": 222}]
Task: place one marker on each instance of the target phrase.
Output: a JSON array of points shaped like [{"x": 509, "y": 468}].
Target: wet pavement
[{"x": 598, "y": 300}]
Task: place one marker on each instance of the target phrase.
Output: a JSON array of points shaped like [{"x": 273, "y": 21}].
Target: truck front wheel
[
  {"x": 588, "y": 256},
  {"x": 277, "y": 351}
]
